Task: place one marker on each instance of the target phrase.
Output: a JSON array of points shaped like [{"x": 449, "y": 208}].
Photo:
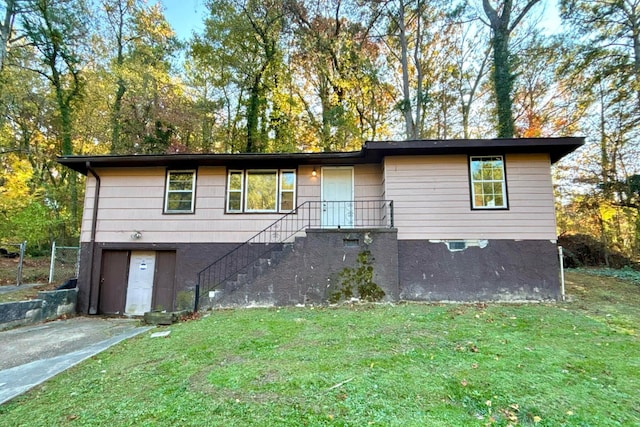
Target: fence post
[
  {"x": 53, "y": 260},
  {"x": 197, "y": 296},
  {"x": 391, "y": 211},
  {"x": 23, "y": 247}
]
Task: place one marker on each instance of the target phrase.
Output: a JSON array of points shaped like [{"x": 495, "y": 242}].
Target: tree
[
  {"x": 336, "y": 56},
  {"x": 503, "y": 19},
  {"x": 606, "y": 62},
  {"x": 56, "y": 29},
  {"x": 243, "y": 40}
]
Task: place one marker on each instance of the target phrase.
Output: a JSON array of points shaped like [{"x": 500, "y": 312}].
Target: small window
[
  {"x": 287, "y": 190},
  {"x": 488, "y": 183},
  {"x": 234, "y": 189},
  {"x": 180, "y": 192},
  {"x": 261, "y": 190}
]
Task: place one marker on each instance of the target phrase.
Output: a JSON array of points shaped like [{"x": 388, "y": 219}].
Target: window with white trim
[
  {"x": 261, "y": 190},
  {"x": 488, "y": 182},
  {"x": 180, "y": 191}
]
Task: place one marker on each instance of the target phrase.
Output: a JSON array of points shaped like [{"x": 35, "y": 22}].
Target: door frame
[{"x": 322, "y": 187}]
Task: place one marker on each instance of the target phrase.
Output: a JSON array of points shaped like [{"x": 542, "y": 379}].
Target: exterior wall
[
  {"x": 305, "y": 275},
  {"x": 431, "y": 196},
  {"x": 368, "y": 182},
  {"x": 432, "y": 199},
  {"x": 190, "y": 259},
  {"x": 132, "y": 200},
  {"x": 503, "y": 270},
  {"x": 308, "y": 271}
]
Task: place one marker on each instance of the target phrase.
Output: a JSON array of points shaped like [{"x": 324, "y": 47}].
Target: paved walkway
[{"x": 31, "y": 355}]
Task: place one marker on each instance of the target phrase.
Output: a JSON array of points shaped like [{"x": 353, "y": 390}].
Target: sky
[{"x": 187, "y": 16}]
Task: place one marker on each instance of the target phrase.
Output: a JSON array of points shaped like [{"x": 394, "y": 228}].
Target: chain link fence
[
  {"x": 12, "y": 255},
  {"x": 65, "y": 262}
]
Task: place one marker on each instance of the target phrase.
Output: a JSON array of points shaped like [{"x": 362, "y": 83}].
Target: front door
[
  {"x": 140, "y": 283},
  {"x": 337, "y": 197}
]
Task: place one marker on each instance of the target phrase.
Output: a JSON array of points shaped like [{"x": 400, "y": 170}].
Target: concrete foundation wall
[
  {"x": 309, "y": 270},
  {"x": 48, "y": 306},
  {"x": 190, "y": 259},
  {"x": 500, "y": 270}
]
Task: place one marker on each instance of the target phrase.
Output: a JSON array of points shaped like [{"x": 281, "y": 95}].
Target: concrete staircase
[{"x": 233, "y": 290}]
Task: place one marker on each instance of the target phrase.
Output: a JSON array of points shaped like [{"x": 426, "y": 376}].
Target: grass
[{"x": 566, "y": 364}]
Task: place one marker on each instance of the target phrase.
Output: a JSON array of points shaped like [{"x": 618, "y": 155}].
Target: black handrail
[{"x": 310, "y": 214}]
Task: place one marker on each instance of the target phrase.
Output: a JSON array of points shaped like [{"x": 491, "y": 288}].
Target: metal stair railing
[{"x": 310, "y": 214}]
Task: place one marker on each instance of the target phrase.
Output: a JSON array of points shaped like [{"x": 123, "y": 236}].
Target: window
[
  {"x": 180, "y": 191},
  {"x": 488, "y": 183},
  {"x": 261, "y": 190}
]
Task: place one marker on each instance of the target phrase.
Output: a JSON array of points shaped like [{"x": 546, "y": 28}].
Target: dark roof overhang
[
  {"x": 556, "y": 147},
  {"x": 372, "y": 152},
  {"x": 185, "y": 161}
]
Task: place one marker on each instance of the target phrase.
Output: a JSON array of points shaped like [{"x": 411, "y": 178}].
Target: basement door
[
  {"x": 337, "y": 197},
  {"x": 113, "y": 281},
  {"x": 140, "y": 283}
]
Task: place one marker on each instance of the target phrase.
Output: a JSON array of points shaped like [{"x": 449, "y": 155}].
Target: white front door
[
  {"x": 337, "y": 197},
  {"x": 140, "y": 284}
]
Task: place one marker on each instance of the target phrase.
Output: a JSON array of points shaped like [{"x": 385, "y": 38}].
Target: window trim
[
  {"x": 229, "y": 190},
  {"x": 165, "y": 209},
  {"x": 244, "y": 186},
  {"x": 505, "y": 206}
]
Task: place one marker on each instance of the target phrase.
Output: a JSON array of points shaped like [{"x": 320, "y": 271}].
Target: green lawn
[{"x": 566, "y": 364}]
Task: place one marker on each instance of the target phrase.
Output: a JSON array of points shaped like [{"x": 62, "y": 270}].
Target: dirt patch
[{"x": 34, "y": 270}]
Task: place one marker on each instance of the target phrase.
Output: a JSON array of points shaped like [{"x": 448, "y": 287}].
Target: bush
[{"x": 581, "y": 250}]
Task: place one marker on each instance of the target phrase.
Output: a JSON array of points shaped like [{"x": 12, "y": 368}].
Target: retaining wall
[{"x": 48, "y": 306}]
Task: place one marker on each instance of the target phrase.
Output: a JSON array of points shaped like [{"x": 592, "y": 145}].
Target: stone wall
[{"x": 48, "y": 306}]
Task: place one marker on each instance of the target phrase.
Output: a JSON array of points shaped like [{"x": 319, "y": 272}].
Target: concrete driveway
[{"x": 30, "y": 355}]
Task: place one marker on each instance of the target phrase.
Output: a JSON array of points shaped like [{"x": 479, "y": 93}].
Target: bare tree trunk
[
  {"x": 116, "y": 125},
  {"x": 406, "y": 99},
  {"x": 501, "y": 28},
  {"x": 6, "y": 29},
  {"x": 419, "y": 126}
]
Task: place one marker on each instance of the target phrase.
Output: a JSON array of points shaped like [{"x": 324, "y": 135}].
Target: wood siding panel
[
  {"x": 432, "y": 200},
  {"x": 132, "y": 200}
]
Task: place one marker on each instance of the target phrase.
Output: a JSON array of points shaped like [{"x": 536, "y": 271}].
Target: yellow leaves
[
  {"x": 607, "y": 212},
  {"x": 14, "y": 181}
]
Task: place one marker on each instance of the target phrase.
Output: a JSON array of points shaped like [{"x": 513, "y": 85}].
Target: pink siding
[
  {"x": 430, "y": 194},
  {"x": 132, "y": 200},
  {"x": 432, "y": 201}
]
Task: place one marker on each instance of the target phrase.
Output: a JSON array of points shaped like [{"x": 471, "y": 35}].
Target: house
[{"x": 442, "y": 220}]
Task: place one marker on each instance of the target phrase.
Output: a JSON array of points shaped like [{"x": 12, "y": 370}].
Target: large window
[
  {"x": 180, "y": 191},
  {"x": 488, "y": 182},
  {"x": 261, "y": 190}
]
